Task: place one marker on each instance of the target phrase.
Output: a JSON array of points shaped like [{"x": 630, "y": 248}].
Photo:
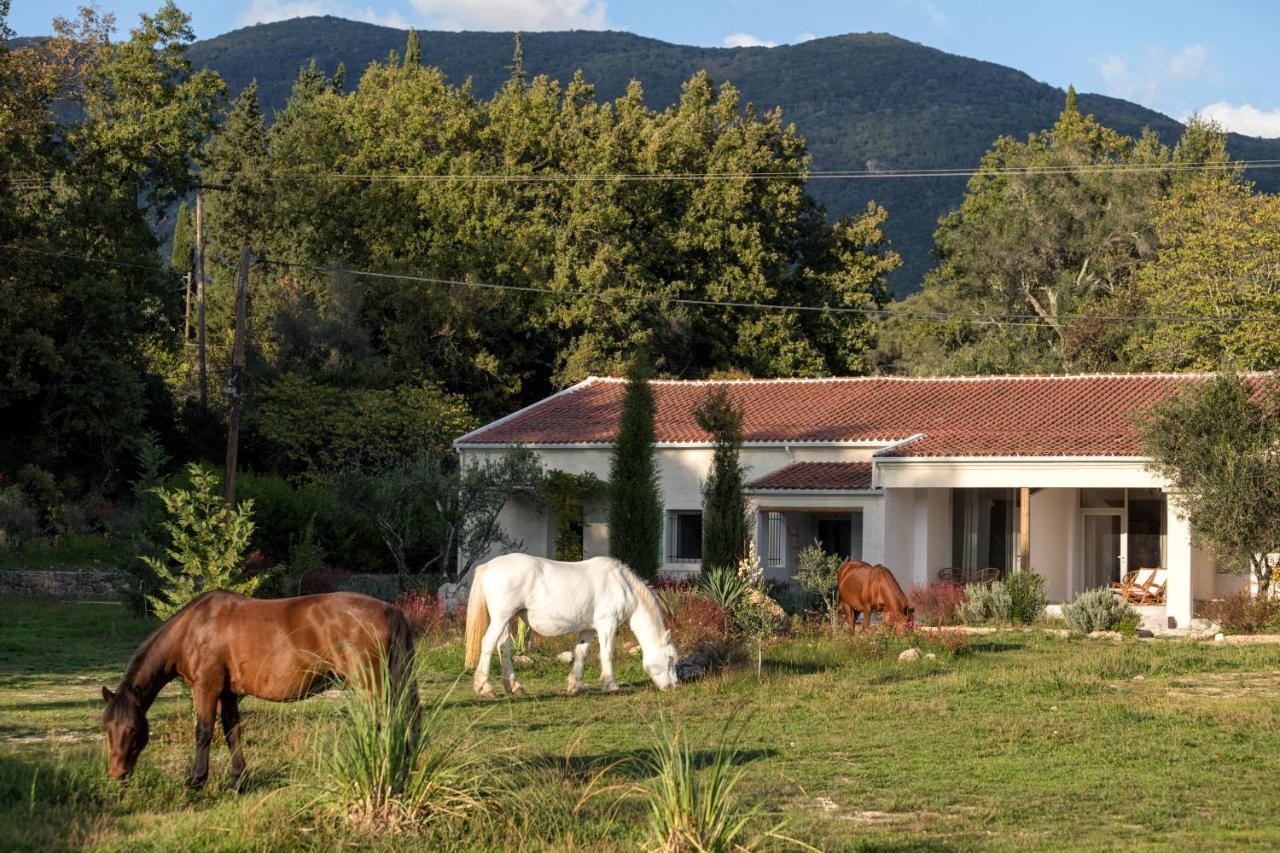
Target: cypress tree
[
  {"x": 184, "y": 241},
  {"x": 635, "y": 496},
  {"x": 412, "y": 50},
  {"x": 724, "y": 506}
]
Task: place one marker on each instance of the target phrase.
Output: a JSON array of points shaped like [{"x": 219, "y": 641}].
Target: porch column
[
  {"x": 1179, "y": 590},
  {"x": 920, "y": 538},
  {"x": 1024, "y": 529}
]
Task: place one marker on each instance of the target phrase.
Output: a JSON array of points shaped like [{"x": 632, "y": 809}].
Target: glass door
[{"x": 1105, "y": 548}]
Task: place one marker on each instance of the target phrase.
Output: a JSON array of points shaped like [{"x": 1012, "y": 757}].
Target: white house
[{"x": 920, "y": 474}]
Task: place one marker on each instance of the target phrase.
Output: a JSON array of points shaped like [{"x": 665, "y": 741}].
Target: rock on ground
[
  {"x": 910, "y": 654},
  {"x": 565, "y": 657}
]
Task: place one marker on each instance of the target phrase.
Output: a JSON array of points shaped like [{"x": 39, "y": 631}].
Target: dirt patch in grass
[{"x": 1228, "y": 685}]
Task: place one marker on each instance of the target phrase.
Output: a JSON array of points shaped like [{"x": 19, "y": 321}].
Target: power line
[
  {"x": 36, "y": 182},
  {"x": 85, "y": 258},
  {"x": 943, "y": 316},
  {"x": 1033, "y": 320}
]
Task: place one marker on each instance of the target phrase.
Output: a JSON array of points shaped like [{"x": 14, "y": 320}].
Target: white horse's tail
[{"x": 477, "y": 618}]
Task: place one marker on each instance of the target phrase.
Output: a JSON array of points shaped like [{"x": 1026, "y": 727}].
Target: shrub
[
  {"x": 938, "y": 602},
  {"x": 208, "y": 544},
  {"x": 816, "y": 572},
  {"x": 1026, "y": 596},
  {"x": 985, "y": 604},
  {"x": 1242, "y": 613},
  {"x": 692, "y": 809},
  {"x": 1095, "y": 610},
  {"x": 19, "y": 521},
  {"x": 327, "y": 579},
  {"x": 428, "y": 616},
  {"x": 388, "y": 767},
  {"x": 698, "y": 622}
]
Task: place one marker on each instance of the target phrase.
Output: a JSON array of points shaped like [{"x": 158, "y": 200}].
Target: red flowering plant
[
  {"x": 936, "y": 603},
  {"x": 428, "y": 615}
]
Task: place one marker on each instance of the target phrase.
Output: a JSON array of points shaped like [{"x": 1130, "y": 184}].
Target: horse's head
[
  {"x": 660, "y": 662},
  {"x": 127, "y": 731}
]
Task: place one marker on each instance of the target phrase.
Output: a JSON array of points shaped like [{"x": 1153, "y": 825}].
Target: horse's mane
[{"x": 645, "y": 594}]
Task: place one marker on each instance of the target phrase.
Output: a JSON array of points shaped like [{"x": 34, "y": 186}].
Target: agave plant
[{"x": 724, "y": 586}]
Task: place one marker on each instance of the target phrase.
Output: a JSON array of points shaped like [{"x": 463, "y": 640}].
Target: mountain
[{"x": 865, "y": 101}]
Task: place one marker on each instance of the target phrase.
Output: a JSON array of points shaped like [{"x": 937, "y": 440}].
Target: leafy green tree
[
  {"x": 310, "y": 428},
  {"x": 635, "y": 495},
  {"x": 208, "y": 544},
  {"x": 1218, "y": 256},
  {"x": 1215, "y": 443},
  {"x": 1048, "y": 229},
  {"x": 427, "y": 506},
  {"x": 86, "y": 348},
  {"x": 725, "y": 536}
]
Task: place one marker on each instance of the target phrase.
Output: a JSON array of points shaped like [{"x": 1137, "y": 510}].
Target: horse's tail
[
  {"x": 400, "y": 647},
  {"x": 477, "y": 618}
]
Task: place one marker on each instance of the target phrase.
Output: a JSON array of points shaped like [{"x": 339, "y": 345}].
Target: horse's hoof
[
  {"x": 609, "y": 688},
  {"x": 518, "y": 691},
  {"x": 573, "y": 689},
  {"x": 195, "y": 783},
  {"x": 486, "y": 690}
]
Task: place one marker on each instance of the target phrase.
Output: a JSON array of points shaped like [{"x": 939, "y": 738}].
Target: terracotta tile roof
[
  {"x": 1086, "y": 415},
  {"x": 817, "y": 475}
]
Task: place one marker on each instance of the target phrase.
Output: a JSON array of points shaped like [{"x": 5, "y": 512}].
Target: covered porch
[
  {"x": 1081, "y": 524},
  {"x": 831, "y": 504}
]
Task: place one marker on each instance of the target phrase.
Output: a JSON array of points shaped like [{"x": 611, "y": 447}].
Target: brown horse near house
[
  {"x": 225, "y": 645},
  {"x": 868, "y": 589}
]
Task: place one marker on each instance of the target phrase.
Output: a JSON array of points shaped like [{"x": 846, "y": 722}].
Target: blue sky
[{"x": 1177, "y": 57}]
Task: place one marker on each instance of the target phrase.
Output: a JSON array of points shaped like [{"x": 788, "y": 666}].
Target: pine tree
[
  {"x": 635, "y": 501},
  {"x": 184, "y": 241},
  {"x": 236, "y": 157},
  {"x": 724, "y": 506},
  {"x": 412, "y": 50}
]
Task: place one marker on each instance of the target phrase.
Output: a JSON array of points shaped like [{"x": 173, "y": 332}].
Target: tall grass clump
[
  {"x": 387, "y": 766},
  {"x": 1095, "y": 610},
  {"x": 692, "y": 809}
]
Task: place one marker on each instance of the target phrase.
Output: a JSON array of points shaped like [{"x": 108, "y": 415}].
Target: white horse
[{"x": 591, "y": 597}]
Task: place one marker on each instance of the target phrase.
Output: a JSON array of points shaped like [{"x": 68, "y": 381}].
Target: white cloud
[
  {"x": 746, "y": 40},
  {"x": 1153, "y": 73},
  {"x": 527, "y": 15},
  {"x": 266, "y": 11},
  {"x": 927, "y": 8},
  {"x": 1245, "y": 118}
]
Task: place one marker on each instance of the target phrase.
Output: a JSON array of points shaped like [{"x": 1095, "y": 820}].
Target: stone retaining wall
[{"x": 61, "y": 584}]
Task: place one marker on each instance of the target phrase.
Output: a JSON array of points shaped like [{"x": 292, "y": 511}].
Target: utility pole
[
  {"x": 186, "y": 309},
  {"x": 236, "y": 380},
  {"x": 204, "y": 371}
]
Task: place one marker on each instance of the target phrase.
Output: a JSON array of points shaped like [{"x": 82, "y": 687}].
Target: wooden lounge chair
[
  {"x": 1142, "y": 586},
  {"x": 988, "y": 576}
]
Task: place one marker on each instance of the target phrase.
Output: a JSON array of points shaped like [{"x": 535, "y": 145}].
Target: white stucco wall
[
  {"x": 682, "y": 470},
  {"x": 1053, "y": 513}
]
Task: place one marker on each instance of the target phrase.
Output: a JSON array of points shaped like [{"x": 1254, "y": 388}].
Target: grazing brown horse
[
  {"x": 226, "y": 645},
  {"x": 868, "y": 589}
]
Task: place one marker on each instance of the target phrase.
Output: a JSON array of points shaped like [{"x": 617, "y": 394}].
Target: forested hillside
[{"x": 867, "y": 101}]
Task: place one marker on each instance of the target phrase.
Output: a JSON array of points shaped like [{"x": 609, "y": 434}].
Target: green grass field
[{"x": 1028, "y": 741}]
